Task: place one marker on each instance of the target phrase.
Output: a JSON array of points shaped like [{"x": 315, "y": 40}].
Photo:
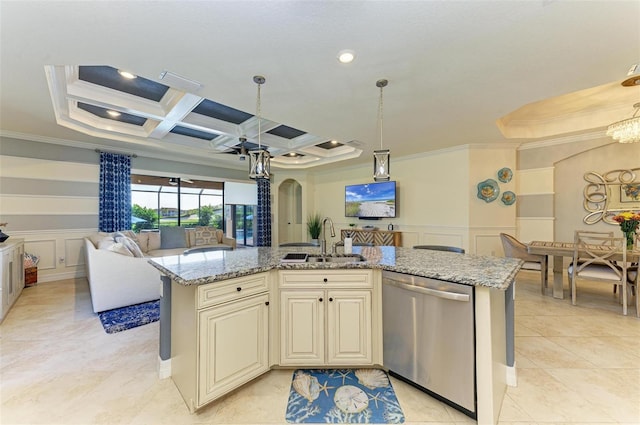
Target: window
[{"x": 163, "y": 201}]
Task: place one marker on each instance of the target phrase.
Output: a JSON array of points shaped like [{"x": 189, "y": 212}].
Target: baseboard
[
  {"x": 512, "y": 375},
  {"x": 60, "y": 276},
  {"x": 164, "y": 368}
]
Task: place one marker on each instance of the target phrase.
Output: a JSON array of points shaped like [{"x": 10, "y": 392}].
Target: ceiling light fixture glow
[
  {"x": 346, "y": 56},
  {"x": 626, "y": 131},
  {"x": 127, "y": 74},
  {"x": 113, "y": 113}
]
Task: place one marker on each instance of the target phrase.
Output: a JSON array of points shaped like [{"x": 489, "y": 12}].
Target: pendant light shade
[
  {"x": 259, "y": 159},
  {"x": 381, "y": 165},
  {"x": 381, "y": 157}
]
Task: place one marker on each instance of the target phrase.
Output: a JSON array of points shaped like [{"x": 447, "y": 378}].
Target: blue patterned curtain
[
  {"x": 115, "y": 192},
  {"x": 264, "y": 213}
]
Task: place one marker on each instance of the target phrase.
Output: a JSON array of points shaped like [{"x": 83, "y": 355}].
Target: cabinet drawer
[
  {"x": 232, "y": 289},
  {"x": 326, "y": 278}
]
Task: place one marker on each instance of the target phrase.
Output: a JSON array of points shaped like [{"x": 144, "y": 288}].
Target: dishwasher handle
[{"x": 428, "y": 291}]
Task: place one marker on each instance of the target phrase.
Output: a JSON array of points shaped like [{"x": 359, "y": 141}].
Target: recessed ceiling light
[
  {"x": 113, "y": 113},
  {"x": 334, "y": 142},
  {"x": 127, "y": 74},
  {"x": 346, "y": 56}
]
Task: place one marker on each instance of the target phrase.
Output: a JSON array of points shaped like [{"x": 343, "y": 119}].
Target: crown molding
[{"x": 563, "y": 140}]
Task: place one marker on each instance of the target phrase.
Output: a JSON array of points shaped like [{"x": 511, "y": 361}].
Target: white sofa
[{"x": 120, "y": 277}]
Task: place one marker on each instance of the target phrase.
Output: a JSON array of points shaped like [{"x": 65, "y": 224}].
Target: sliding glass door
[{"x": 243, "y": 223}]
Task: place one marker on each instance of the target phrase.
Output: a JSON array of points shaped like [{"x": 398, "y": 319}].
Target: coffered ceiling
[{"x": 464, "y": 72}]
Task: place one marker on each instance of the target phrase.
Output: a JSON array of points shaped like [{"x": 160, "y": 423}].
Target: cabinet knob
[
  {"x": 330, "y": 299},
  {"x": 238, "y": 289},
  {"x": 266, "y": 303},
  {"x": 325, "y": 280},
  {"x": 320, "y": 300}
]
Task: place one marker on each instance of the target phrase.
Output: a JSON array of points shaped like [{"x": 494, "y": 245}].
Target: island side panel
[
  {"x": 376, "y": 317},
  {"x": 491, "y": 349},
  {"x": 184, "y": 331}
]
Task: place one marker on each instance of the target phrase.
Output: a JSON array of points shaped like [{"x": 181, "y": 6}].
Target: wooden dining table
[{"x": 559, "y": 250}]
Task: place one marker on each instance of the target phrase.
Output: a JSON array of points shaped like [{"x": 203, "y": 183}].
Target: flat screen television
[{"x": 370, "y": 200}]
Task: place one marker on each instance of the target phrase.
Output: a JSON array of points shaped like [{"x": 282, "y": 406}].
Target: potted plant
[{"x": 314, "y": 226}]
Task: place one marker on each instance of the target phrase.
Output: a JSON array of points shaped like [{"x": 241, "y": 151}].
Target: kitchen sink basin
[{"x": 354, "y": 258}]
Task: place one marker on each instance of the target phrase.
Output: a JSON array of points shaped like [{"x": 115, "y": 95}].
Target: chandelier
[
  {"x": 259, "y": 159},
  {"x": 381, "y": 160},
  {"x": 626, "y": 131}
]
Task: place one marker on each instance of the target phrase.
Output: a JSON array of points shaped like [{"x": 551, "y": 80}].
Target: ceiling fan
[
  {"x": 173, "y": 181},
  {"x": 241, "y": 150}
]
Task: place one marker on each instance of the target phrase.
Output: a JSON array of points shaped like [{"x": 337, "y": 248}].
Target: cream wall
[{"x": 437, "y": 197}]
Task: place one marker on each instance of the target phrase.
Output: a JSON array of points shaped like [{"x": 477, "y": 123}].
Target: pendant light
[
  {"x": 381, "y": 160},
  {"x": 259, "y": 160},
  {"x": 626, "y": 131}
]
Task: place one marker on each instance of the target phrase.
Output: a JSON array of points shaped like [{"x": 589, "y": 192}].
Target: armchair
[{"x": 513, "y": 248}]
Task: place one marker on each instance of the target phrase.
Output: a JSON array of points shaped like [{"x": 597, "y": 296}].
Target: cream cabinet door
[
  {"x": 233, "y": 346},
  {"x": 349, "y": 327},
  {"x": 302, "y": 327}
]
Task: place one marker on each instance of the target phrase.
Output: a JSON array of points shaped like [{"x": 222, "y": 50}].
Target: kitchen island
[{"x": 236, "y": 314}]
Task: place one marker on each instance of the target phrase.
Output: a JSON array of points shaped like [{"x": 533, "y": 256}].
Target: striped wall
[
  {"x": 49, "y": 198},
  {"x": 551, "y": 183}
]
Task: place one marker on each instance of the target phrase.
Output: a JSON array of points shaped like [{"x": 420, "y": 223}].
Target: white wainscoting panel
[
  {"x": 409, "y": 238},
  {"x": 448, "y": 239},
  {"x": 45, "y": 250},
  {"x": 488, "y": 245},
  {"x": 74, "y": 252},
  {"x": 53, "y": 245},
  {"x": 535, "y": 229}
]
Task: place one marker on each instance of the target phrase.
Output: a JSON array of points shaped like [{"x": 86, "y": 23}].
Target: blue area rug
[
  {"x": 343, "y": 396},
  {"x": 121, "y": 319}
]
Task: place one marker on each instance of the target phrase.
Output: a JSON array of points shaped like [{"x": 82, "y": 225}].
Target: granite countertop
[{"x": 474, "y": 270}]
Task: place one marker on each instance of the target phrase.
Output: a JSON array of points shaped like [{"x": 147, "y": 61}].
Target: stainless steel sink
[{"x": 349, "y": 258}]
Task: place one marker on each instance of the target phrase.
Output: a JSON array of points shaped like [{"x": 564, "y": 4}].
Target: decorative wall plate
[
  {"x": 508, "y": 197},
  {"x": 488, "y": 190},
  {"x": 505, "y": 175}
]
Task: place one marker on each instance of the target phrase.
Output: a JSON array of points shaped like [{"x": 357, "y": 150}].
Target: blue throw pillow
[{"x": 173, "y": 237}]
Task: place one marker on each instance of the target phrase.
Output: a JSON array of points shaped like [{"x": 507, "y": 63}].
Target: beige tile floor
[{"x": 576, "y": 365}]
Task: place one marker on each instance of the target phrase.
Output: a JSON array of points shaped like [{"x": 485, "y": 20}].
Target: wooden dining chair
[
  {"x": 599, "y": 258},
  {"x": 592, "y": 233},
  {"x": 513, "y": 248}
]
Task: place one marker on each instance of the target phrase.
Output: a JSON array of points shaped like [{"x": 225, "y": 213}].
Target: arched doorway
[{"x": 290, "y": 212}]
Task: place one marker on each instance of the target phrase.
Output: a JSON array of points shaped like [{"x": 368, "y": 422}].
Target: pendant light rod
[
  {"x": 259, "y": 80},
  {"x": 382, "y": 83}
]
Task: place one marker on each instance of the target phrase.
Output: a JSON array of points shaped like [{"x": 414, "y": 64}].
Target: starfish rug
[
  {"x": 343, "y": 396},
  {"x": 121, "y": 319}
]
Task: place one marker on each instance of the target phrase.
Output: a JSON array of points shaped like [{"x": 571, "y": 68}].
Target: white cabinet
[
  {"x": 234, "y": 347},
  {"x": 326, "y": 318},
  {"x": 220, "y": 336},
  {"x": 12, "y": 272}
]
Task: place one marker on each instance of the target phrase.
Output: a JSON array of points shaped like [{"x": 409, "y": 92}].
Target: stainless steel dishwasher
[{"x": 429, "y": 337}]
